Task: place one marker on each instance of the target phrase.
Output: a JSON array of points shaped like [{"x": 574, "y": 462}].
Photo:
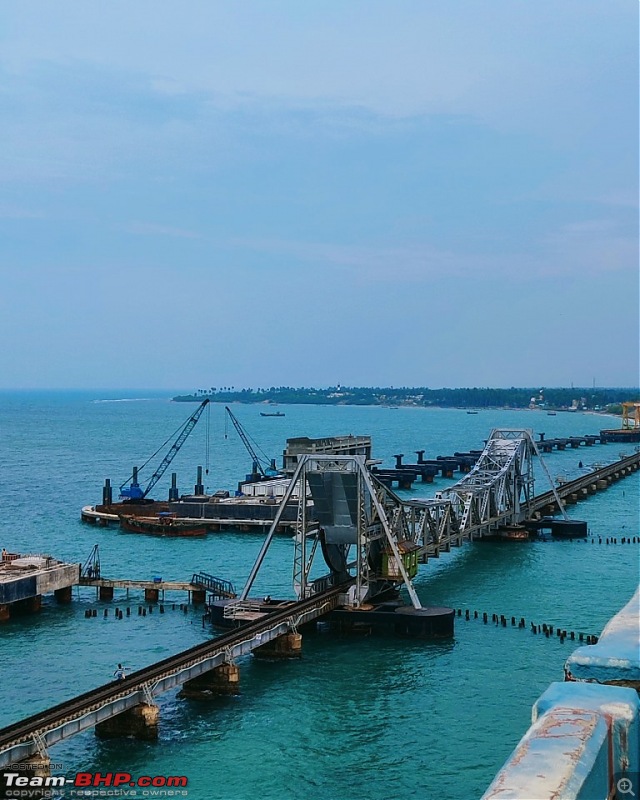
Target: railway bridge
[
  {"x": 370, "y": 539},
  {"x": 130, "y": 703}
]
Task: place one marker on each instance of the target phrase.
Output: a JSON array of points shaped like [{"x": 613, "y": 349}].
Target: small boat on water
[
  {"x": 164, "y": 524},
  {"x": 272, "y": 413},
  {"x": 551, "y": 413},
  {"x": 472, "y": 412}
]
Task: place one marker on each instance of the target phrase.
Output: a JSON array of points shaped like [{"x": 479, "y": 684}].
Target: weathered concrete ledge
[
  {"x": 585, "y": 736},
  {"x": 615, "y": 659}
]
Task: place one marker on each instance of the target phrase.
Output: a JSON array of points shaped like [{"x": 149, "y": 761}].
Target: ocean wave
[{"x": 125, "y": 400}]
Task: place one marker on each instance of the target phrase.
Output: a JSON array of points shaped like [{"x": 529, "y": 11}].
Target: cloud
[{"x": 581, "y": 249}]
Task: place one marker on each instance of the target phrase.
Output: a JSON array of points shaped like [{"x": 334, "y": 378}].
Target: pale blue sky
[{"x": 405, "y": 192}]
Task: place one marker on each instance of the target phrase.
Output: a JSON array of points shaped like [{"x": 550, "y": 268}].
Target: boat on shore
[
  {"x": 166, "y": 524},
  {"x": 272, "y": 413}
]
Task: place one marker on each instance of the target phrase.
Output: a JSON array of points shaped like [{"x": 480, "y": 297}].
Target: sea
[{"x": 357, "y": 718}]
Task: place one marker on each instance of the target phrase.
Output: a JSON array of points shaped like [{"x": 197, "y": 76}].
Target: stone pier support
[
  {"x": 63, "y": 595},
  {"x": 105, "y": 592},
  {"x": 198, "y": 597},
  {"x": 151, "y": 595},
  {"x": 36, "y": 766},
  {"x": 602, "y": 484},
  {"x": 5, "y": 613},
  {"x": 222, "y": 680},
  {"x": 141, "y": 722},
  {"x": 30, "y": 605},
  {"x": 592, "y": 488},
  {"x": 289, "y": 645}
]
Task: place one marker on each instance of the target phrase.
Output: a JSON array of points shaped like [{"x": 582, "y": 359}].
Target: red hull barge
[{"x": 161, "y": 526}]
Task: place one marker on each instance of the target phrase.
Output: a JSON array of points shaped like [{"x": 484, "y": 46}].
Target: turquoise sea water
[{"x": 355, "y": 718}]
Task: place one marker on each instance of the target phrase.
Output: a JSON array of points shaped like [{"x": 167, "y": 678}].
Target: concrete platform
[{"x": 24, "y": 579}]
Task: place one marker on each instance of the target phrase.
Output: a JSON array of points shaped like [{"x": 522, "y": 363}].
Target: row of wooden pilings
[
  {"x": 500, "y": 620},
  {"x": 119, "y": 613}
]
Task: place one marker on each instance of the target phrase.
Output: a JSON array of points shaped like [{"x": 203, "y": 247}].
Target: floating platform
[
  {"x": 237, "y": 513},
  {"x": 163, "y": 524},
  {"x": 620, "y": 435},
  {"x": 395, "y": 619},
  {"x": 391, "y": 618},
  {"x": 561, "y": 528}
]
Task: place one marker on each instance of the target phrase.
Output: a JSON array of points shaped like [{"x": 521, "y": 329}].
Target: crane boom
[
  {"x": 134, "y": 492},
  {"x": 246, "y": 442}
]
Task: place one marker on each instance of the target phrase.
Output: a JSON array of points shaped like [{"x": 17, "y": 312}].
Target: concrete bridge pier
[
  {"x": 105, "y": 592},
  {"x": 30, "y": 605},
  {"x": 289, "y": 645},
  {"x": 222, "y": 680},
  {"x": 63, "y": 595},
  {"x": 151, "y": 595},
  {"x": 141, "y": 722}
]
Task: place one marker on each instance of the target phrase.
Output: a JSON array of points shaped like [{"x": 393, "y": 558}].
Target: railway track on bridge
[
  {"x": 26, "y": 737},
  {"x": 602, "y": 473}
]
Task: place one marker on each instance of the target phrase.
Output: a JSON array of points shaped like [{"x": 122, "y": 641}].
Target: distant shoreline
[{"x": 598, "y": 401}]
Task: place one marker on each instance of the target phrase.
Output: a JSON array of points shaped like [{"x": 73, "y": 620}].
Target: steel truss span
[
  {"x": 359, "y": 524},
  {"x": 365, "y": 531}
]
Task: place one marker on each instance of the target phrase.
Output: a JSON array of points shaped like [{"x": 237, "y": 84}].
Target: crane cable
[{"x": 174, "y": 435}]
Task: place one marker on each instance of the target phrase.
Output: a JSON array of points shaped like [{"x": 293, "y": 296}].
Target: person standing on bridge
[{"x": 119, "y": 674}]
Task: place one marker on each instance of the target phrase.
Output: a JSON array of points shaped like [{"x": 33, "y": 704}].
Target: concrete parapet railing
[
  {"x": 615, "y": 659},
  {"x": 583, "y": 741}
]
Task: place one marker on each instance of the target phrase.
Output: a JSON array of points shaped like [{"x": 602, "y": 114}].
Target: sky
[{"x": 355, "y": 192}]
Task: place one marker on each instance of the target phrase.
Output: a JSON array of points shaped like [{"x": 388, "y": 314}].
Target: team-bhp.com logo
[{"x": 95, "y": 783}]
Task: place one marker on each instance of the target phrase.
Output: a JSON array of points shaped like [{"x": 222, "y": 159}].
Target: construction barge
[{"x": 253, "y": 506}]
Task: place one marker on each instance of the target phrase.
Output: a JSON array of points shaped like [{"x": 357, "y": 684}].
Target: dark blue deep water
[{"x": 355, "y": 718}]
